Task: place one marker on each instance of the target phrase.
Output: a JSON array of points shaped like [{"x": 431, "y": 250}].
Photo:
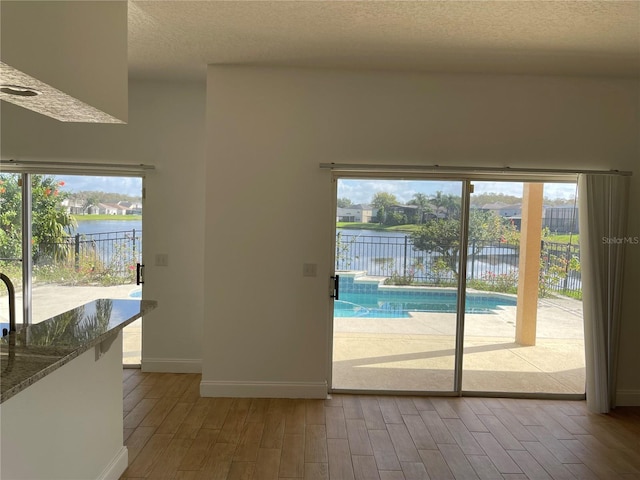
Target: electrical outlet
[{"x": 162, "y": 260}]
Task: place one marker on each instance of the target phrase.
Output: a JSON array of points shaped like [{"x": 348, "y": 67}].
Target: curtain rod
[
  {"x": 38, "y": 166},
  {"x": 466, "y": 170}
]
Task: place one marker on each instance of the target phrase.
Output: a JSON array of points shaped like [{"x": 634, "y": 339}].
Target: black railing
[
  {"x": 396, "y": 257},
  {"x": 109, "y": 253},
  {"x": 560, "y": 265}
]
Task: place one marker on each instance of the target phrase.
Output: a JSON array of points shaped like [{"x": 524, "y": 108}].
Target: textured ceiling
[{"x": 176, "y": 39}]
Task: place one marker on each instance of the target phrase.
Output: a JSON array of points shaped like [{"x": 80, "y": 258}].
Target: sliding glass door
[
  {"x": 396, "y": 313},
  {"x": 84, "y": 243},
  {"x": 441, "y": 290},
  {"x": 11, "y": 244},
  {"x": 534, "y": 344}
]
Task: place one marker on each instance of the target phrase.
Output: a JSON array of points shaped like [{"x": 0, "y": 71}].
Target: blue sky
[
  {"x": 126, "y": 185},
  {"x": 362, "y": 191},
  {"x": 359, "y": 191}
]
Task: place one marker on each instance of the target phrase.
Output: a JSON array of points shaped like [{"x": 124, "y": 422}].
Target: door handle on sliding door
[
  {"x": 336, "y": 287},
  {"x": 139, "y": 274}
]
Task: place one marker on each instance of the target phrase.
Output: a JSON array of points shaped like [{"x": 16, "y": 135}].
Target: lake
[
  {"x": 102, "y": 226},
  {"x": 382, "y": 253},
  {"x": 356, "y": 232},
  {"x": 106, "y": 240}
]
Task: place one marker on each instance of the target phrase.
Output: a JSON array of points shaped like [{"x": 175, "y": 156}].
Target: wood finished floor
[{"x": 172, "y": 433}]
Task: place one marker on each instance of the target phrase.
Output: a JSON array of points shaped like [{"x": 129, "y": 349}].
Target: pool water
[{"x": 394, "y": 305}]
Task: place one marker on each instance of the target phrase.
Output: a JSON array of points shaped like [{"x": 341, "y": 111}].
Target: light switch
[
  {"x": 162, "y": 260},
  {"x": 309, "y": 269}
]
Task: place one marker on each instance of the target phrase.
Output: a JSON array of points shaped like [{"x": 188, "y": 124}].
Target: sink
[{"x": 12, "y": 304}]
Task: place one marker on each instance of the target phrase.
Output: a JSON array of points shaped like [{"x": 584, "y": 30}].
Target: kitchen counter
[
  {"x": 61, "y": 409},
  {"x": 37, "y": 350}
]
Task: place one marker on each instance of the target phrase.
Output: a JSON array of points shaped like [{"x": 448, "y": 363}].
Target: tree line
[
  {"x": 390, "y": 211},
  {"x": 51, "y": 225},
  {"x": 88, "y": 198},
  {"x": 478, "y": 200},
  {"x": 439, "y": 220}
]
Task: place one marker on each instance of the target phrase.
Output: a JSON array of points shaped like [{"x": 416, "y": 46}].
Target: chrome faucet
[{"x": 12, "y": 304}]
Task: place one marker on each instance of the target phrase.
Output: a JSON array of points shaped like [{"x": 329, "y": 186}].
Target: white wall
[
  {"x": 166, "y": 129},
  {"x": 266, "y": 326}
]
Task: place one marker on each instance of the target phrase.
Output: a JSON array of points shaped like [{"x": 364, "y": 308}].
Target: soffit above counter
[{"x": 74, "y": 54}]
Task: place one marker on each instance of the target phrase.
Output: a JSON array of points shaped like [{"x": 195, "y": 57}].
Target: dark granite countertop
[{"x": 37, "y": 350}]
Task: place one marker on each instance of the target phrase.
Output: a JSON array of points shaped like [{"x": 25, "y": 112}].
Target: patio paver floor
[{"x": 417, "y": 353}]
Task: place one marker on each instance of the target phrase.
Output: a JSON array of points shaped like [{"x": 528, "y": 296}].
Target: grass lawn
[
  {"x": 574, "y": 239},
  {"x": 87, "y": 218}
]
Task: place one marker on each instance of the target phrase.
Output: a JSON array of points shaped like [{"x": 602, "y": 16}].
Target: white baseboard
[
  {"x": 264, "y": 389},
  {"x": 172, "y": 365},
  {"x": 628, "y": 398},
  {"x": 116, "y": 466}
]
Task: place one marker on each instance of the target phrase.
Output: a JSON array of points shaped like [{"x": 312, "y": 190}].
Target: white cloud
[
  {"x": 357, "y": 190},
  {"x": 127, "y": 185},
  {"x": 506, "y": 188},
  {"x": 362, "y": 191},
  {"x": 560, "y": 190}
]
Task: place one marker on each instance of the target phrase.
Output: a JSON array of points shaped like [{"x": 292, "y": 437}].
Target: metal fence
[
  {"x": 396, "y": 257},
  {"x": 113, "y": 253},
  {"x": 380, "y": 256},
  {"x": 560, "y": 264},
  {"x": 561, "y": 220}
]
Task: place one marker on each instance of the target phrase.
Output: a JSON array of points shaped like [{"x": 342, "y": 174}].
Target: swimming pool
[{"x": 397, "y": 304}]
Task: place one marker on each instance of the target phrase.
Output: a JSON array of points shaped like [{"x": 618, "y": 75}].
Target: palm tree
[
  {"x": 421, "y": 201},
  {"x": 452, "y": 205},
  {"x": 438, "y": 202}
]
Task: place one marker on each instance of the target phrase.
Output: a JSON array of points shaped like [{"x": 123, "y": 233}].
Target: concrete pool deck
[{"x": 415, "y": 354}]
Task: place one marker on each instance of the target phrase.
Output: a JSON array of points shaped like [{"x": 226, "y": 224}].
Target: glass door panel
[
  {"x": 397, "y": 249},
  {"x": 11, "y": 244},
  {"x": 523, "y": 328},
  {"x": 87, "y": 240}
]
